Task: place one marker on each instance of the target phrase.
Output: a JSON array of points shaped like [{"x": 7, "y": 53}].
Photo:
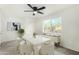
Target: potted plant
[
  {"x": 34, "y": 35},
  {"x": 21, "y": 32}
]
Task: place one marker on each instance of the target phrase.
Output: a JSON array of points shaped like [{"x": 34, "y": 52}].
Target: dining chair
[
  {"x": 25, "y": 48},
  {"x": 47, "y": 48}
]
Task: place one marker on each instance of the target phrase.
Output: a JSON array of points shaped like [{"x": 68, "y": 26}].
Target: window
[{"x": 53, "y": 25}]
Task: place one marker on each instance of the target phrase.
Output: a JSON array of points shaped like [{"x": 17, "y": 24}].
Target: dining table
[{"x": 37, "y": 42}]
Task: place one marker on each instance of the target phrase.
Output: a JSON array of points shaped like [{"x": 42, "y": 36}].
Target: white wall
[
  {"x": 26, "y": 23},
  {"x": 38, "y": 26},
  {"x": 29, "y": 28},
  {"x": 70, "y": 30},
  {"x": 0, "y": 26}
]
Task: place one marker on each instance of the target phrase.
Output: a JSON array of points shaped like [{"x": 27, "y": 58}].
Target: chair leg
[{"x": 18, "y": 49}]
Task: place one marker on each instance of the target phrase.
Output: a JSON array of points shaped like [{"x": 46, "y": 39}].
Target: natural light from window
[{"x": 52, "y": 25}]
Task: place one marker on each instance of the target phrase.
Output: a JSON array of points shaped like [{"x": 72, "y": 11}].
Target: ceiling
[{"x": 17, "y": 10}]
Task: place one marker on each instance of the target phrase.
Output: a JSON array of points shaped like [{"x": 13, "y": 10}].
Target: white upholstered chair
[
  {"x": 47, "y": 48},
  {"x": 25, "y": 48}
]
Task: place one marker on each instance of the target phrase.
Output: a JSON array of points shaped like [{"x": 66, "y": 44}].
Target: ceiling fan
[{"x": 35, "y": 9}]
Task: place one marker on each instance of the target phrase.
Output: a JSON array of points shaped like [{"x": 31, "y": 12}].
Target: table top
[{"x": 38, "y": 40}]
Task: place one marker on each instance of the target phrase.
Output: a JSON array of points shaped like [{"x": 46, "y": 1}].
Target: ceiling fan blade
[
  {"x": 40, "y": 12},
  {"x": 41, "y": 8},
  {"x": 30, "y": 6},
  {"x": 28, "y": 11}
]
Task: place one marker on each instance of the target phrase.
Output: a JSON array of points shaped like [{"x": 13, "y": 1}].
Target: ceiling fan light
[{"x": 35, "y": 12}]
